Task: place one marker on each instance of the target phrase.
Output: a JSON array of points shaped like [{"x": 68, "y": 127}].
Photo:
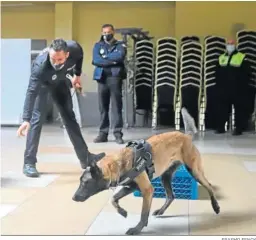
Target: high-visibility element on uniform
[
  {"x": 232, "y": 81},
  {"x": 235, "y": 60}
]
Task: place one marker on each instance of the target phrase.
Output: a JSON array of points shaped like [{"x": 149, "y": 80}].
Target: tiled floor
[
  {"x": 45, "y": 205},
  {"x": 176, "y": 225}
]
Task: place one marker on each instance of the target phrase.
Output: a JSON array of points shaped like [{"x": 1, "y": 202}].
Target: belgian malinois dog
[{"x": 169, "y": 151}]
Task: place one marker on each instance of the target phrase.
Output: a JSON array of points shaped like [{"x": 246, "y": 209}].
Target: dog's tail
[{"x": 189, "y": 122}]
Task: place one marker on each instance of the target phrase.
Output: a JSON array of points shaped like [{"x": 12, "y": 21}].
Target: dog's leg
[
  {"x": 199, "y": 176},
  {"x": 122, "y": 193},
  {"x": 147, "y": 191},
  {"x": 190, "y": 171},
  {"x": 166, "y": 180}
]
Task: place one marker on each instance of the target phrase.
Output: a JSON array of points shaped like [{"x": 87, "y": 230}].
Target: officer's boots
[
  {"x": 119, "y": 140},
  {"x": 220, "y": 131},
  {"x": 101, "y": 138},
  {"x": 104, "y": 138},
  {"x": 237, "y": 132}
]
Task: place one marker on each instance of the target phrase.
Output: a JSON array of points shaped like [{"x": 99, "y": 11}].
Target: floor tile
[
  {"x": 60, "y": 157},
  {"x": 7, "y": 208},
  {"x": 109, "y": 223},
  {"x": 16, "y": 195},
  {"x": 226, "y": 159}
]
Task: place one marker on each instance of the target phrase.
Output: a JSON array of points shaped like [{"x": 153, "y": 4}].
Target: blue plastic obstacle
[{"x": 184, "y": 186}]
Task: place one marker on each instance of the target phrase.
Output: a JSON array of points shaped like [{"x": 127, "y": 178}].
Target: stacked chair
[
  {"x": 214, "y": 46},
  {"x": 186, "y": 39},
  {"x": 166, "y": 79},
  {"x": 144, "y": 59},
  {"x": 246, "y": 43},
  {"x": 191, "y": 70}
]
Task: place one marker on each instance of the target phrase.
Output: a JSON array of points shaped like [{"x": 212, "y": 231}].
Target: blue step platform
[{"x": 183, "y": 184}]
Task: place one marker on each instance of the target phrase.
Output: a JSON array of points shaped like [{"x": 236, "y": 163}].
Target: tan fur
[
  {"x": 169, "y": 150},
  {"x": 166, "y": 148}
]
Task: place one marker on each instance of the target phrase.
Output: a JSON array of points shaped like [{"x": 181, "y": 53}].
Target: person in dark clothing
[
  {"x": 50, "y": 72},
  {"x": 108, "y": 59},
  {"x": 232, "y": 85}
]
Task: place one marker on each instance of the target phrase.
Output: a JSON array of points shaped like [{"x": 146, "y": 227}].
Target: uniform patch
[
  {"x": 54, "y": 77},
  {"x": 68, "y": 76},
  {"x": 71, "y": 67},
  {"x": 101, "y": 51}
]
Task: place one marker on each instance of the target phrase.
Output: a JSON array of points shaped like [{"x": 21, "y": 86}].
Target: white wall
[{"x": 15, "y": 73}]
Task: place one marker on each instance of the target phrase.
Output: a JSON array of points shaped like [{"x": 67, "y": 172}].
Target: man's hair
[
  {"x": 58, "y": 45},
  {"x": 108, "y": 25}
]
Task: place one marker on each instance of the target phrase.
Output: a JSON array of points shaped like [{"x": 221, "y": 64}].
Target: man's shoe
[
  {"x": 220, "y": 131},
  {"x": 30, "y": 170},
  {"x": 100, "y": 139},
  {"x": 237, "y": 132},
  {"x": 92, "y": 157},
  {"x": 119, "y": 140}
]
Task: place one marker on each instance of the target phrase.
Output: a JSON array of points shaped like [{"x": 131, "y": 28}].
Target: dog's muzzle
[{"x": 78, "y": 198}]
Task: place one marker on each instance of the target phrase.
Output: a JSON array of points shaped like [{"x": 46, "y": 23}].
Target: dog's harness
[{"x": 142, "y": 161}]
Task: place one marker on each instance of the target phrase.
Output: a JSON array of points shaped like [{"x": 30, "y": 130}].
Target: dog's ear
[{"x": 95, "y": 171}]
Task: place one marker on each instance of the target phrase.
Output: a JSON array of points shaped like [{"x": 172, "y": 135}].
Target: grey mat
[
  {"x": 250, "y": 166},
  {"x": 14, "y": 180}
]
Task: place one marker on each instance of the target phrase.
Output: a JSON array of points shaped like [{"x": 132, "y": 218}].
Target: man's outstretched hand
[{"x": 23, "y": 129}]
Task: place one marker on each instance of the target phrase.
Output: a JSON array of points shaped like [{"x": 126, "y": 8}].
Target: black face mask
[
  {"x": 57, "y": 67},
  {"x": 108, "y": 37}
]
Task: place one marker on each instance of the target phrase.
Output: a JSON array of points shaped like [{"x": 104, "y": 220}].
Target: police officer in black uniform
[
  {"x": 50, "y": 72},
  {"x": 232, "y": 85},
  {"x": 108, "y": 59}
]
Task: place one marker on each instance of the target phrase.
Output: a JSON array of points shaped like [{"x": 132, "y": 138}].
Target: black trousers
[
  {"x": 110, "y": 89},
  {"x": 210, "y": 115},
  {"x": 224, "y": 109},
  {"x": 251, "y": 100},
  {"x": 62, "y": 98}
]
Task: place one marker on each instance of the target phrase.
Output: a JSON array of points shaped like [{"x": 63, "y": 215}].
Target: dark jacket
[
  {"x": 109, "y": 57},
  {"x": 232, "y": 74},
  {"x": 42, "y": 73}
]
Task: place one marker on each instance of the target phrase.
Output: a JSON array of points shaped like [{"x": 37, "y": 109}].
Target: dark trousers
[
  {"x": 251, "y": 100},
  {"x": 62, "y": 98},
  {"x": 110, "y": 89},
  {"x": 210, "y": 115},
  {"x": 224, "y": 109}
]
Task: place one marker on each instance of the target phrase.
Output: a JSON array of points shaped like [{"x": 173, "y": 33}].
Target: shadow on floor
[
  {"x": 204, "y": 195},
  {"x": 228, "y": 219},
  {"x": 204, "y": 222},
  {"x": 5, "y": 182}
]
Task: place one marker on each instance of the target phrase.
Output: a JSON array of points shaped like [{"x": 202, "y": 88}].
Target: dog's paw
[
  {"x": 158, "y": 212},
  {"x": 216, "y": 209},
  {"x": 133, "y": 231},
  {"x": 122, "y": 212},
  {"x": 215, "y": 206}
]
